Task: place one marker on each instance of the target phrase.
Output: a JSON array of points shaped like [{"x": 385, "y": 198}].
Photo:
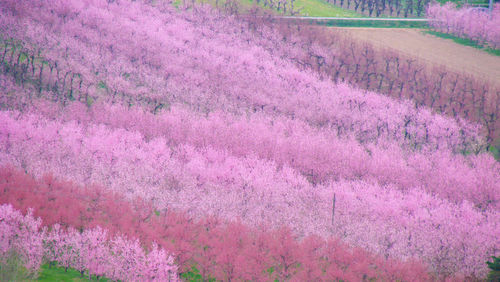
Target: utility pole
[{"x": 491, "y": 6}]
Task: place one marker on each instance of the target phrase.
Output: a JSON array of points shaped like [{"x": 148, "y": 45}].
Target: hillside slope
[{"x": 209, "y": 114}]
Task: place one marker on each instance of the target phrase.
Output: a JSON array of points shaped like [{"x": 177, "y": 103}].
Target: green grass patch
[
  {"x": 312, "y": 8},
  {"x": 59, "y": 274},
  {"x": 23, "y": 58},
  {"x": 460, "y": 3},
  {"x": 243, "y": 5},
  {"x": 463, "y": 41},
  {"x": 193, "y": 275},
  {"x": 319, "y": 8},
  {"x": 495, "y": 151},
  {"x": 12, "y": 268},
  {"x": 90, "y": 101},
  {"x": 102, "y": 85},
  {"x": 374, "y": 23}
]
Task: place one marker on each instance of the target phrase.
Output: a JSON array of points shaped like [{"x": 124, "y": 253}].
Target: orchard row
[
  {"x": 478, "y": 25},
  {"x": 151, "y": 65},
  {"x": 224, "y": 251},
  {"x": 172, "y": 124}
]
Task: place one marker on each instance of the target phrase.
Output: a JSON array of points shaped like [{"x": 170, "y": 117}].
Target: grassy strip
[
  {"x": 312, "y": 8},
  {"x": 461, "y": 3},
  {"x": 374, "y": 23},
  {"x": 320, "y": 8},
  {"x": 463, "y": 41},
  {"x": 59, "y": 274}
]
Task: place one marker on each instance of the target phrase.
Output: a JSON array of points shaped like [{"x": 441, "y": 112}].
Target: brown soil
[{"x": 431, "y": 49}]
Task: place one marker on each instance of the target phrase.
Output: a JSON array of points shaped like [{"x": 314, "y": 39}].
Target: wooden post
[{"x": 333, "y": 209}]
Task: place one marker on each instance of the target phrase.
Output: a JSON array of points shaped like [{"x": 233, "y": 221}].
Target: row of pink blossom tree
[
  {"x": 226, "y": 124},
  {"x": 318, "y": 155},
  {"x": 219, "y": 249},
  {"x": 91, "y": 251},
  {"x": 204, "y": 180},
  {"x": 458, "y": 95},
  {"x": 152, "y": 64},
  {"x": 477, "y": 25}
]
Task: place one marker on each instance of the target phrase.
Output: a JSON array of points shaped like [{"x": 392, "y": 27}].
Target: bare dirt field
[{"x": 434, "y": 50}]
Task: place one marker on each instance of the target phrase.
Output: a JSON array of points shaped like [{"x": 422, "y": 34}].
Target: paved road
[{"x": 357, "y": 19}]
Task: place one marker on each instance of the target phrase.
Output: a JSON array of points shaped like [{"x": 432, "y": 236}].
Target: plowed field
[{"x": 434, "y": 50}]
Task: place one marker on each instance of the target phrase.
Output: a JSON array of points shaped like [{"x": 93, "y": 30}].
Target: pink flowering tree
[
  {"x": 162, "y": 107},
  {"x": 89, "y": 251},
  {"x": 214, "y": 182},
  {"x": 21, "y": 235},
  {"x": 480, "y": 26}
]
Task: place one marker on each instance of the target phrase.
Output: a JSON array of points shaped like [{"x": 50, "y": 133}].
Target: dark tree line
[{"x": 398, "y": 8}]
